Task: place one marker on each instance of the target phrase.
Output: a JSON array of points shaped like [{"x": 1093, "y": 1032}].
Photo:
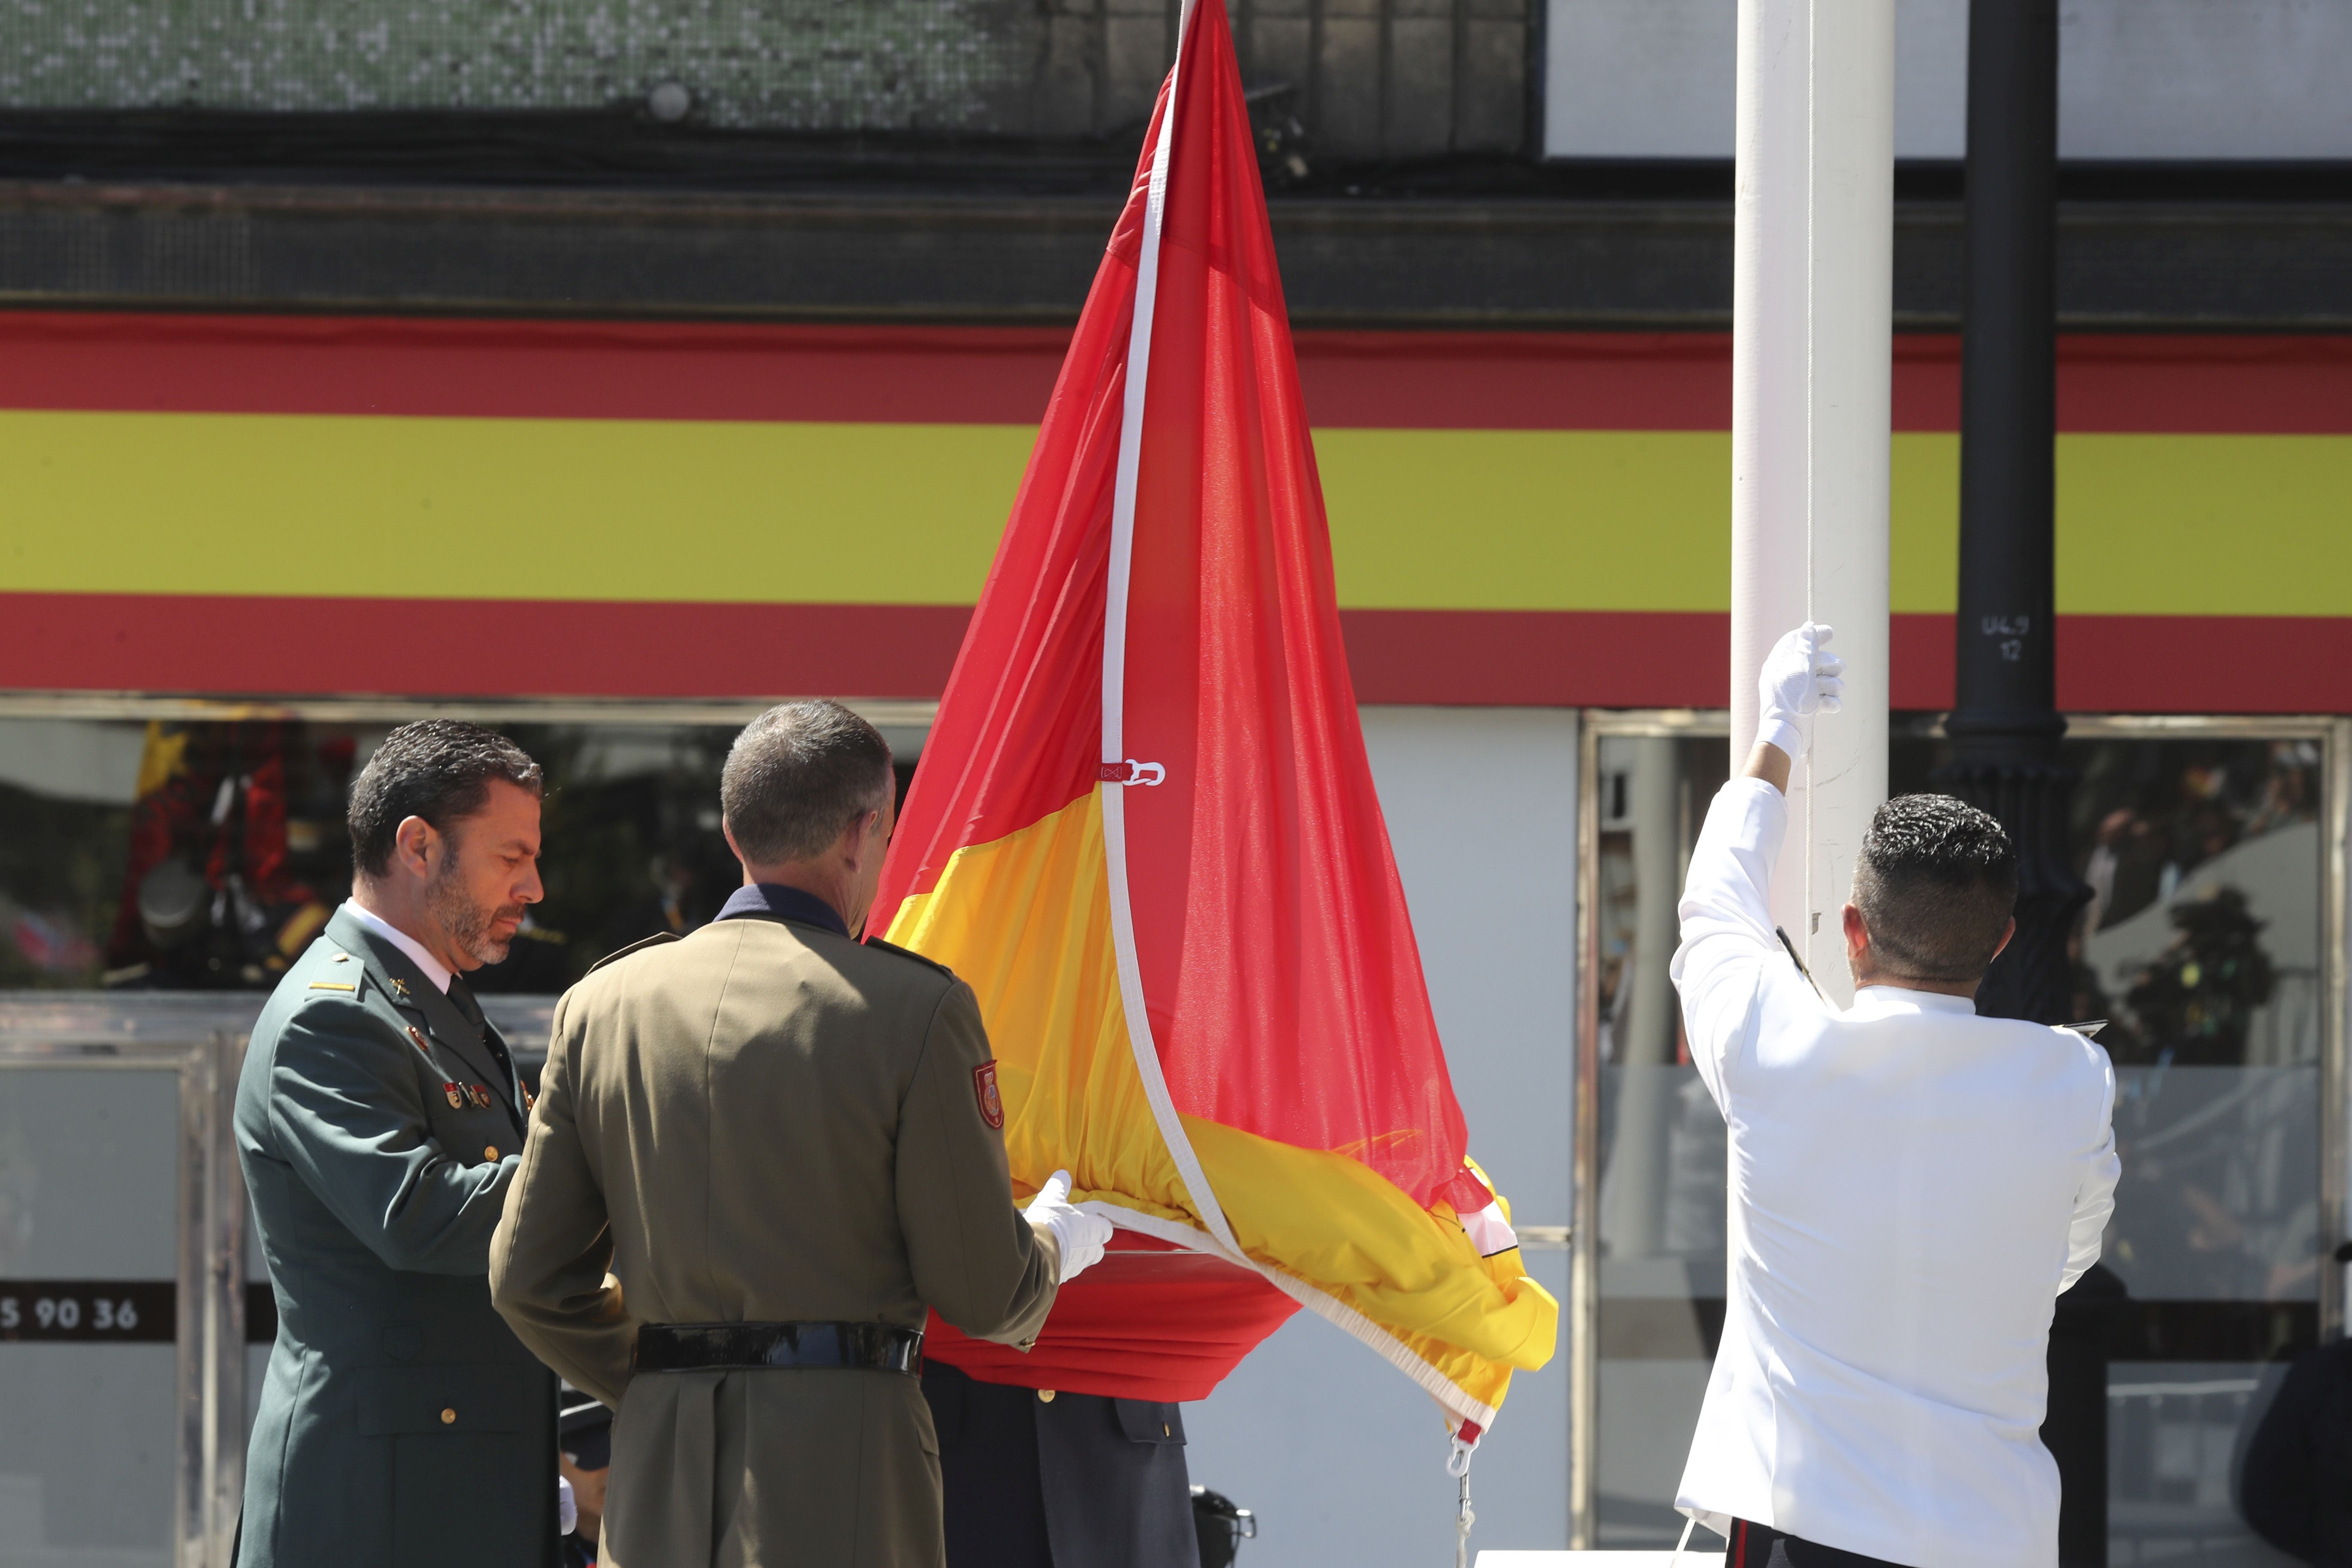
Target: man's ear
[
  {"x": 411, "y": 843},
  {"x": 727, "y": 831},
  {"x": 1857, "y": 935},
  {"x": 2006, "y": 931},
  {"x": 865, "y": 837}
]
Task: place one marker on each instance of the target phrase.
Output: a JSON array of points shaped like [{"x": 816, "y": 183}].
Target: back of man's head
[
  {"x": 1935, "y": 883},
  {"x": 439, "y": 769},
  {"x": 797, "y": 777}
]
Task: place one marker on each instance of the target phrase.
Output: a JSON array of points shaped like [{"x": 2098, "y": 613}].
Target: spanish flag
[{"x": 1145, "y": 831}]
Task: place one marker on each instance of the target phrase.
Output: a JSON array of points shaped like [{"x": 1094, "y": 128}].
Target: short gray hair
[{"x": 798, "y": 775}]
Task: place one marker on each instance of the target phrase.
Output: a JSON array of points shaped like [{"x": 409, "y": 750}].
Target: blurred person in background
[{"x": 2295, "y": 1486}]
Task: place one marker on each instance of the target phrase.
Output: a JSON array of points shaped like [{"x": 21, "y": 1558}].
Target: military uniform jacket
[
  {"x": 1035, "y": 1479},
  {"x": 401, "y": 1421},
  {"x": 765, "y": 1122}
]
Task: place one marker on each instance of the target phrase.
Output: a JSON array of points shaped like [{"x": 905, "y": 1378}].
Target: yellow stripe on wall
[
  {"x": 503, "y": 508},
  {"x": 1492, "y": 520}
]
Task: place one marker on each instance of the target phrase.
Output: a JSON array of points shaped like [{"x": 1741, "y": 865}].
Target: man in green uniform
[
  {"x": 379, "y": 1123},
  {"x": 784, "y": 1145}
]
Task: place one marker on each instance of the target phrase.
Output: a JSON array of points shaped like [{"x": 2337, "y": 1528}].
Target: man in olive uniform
[
  {"x": 379, "y": 1123},
  {"x": 761, "y": 1151}
]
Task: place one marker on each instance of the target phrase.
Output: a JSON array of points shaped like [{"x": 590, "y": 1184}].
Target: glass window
[
  {"x": 203, "y": 854},
  {"x": 1662, "y": 1162},
  {"x": 2202, "y": 945}
]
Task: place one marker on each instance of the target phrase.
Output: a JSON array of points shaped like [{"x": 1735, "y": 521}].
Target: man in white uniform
[{"x": 1912, "y": 1186}]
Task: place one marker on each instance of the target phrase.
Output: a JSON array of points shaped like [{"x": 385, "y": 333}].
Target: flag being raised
[{"x": 1145, "y": 832}]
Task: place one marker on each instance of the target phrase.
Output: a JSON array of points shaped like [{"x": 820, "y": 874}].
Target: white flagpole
[{"x": 1813, "y": 317}]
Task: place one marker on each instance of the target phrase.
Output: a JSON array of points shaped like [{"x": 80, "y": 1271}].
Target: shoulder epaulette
[
  {"x": 875, "y": 941},
  {"x": 654, "y": 941},
  {"x": 340, "y": 976}
]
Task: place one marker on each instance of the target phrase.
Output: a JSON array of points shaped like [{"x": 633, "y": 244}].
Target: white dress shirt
[
  {"x": 434, "y": 970},
  {"x": 1911, "y": 1188}
]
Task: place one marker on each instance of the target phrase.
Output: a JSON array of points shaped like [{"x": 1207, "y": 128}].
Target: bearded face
[
  {"x": 481, "y": 889},
  {"x": 484, "y": 926}
]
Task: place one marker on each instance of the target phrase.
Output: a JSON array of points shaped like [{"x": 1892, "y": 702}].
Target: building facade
[{"x": 544, "y": 407}]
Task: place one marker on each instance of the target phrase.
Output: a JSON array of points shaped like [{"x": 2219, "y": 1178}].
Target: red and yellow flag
[{"x": 1145, "y": 831}]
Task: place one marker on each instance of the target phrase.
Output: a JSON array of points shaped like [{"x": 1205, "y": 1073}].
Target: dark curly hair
[
  {"x": 440, "y": 770},
  {"x": 1935, "y": 883}
]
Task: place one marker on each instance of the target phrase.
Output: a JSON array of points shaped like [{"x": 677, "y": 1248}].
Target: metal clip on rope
[
  {"x": 1131, "y": 772},
  {"x": 1458, "y": 1465}
]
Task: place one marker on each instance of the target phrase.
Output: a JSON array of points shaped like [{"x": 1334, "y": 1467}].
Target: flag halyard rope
[{"x": 1114, "y": 677}]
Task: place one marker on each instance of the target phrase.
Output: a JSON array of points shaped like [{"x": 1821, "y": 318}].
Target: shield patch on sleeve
[{"x": 983, "y": 1088}]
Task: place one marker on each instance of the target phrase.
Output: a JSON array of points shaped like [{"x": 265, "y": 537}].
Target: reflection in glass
[
  {"x": 176, "y": 856},
  {"x": 1662, "y": 1172}
]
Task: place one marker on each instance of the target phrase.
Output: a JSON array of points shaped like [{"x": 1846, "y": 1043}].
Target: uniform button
[
  {"x": 491, "y": 1152},
  {"x": 448, "y": 1419},
  {"x": 1046, "y": 1395}
]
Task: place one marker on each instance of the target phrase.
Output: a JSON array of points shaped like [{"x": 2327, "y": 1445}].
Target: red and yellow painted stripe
[{"x": 275, "y": 504}]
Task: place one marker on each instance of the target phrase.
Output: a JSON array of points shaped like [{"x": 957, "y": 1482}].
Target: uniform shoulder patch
[
  {"x": 654, "y": 941},
  {"x": 879, "y": 944},
  {"x": 991, "y": 1104}
]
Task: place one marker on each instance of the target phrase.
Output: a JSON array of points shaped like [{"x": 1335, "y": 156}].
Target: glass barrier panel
[
  {"x": 1661, "y": 1141},
  {"x": 89, "y": 1378}
]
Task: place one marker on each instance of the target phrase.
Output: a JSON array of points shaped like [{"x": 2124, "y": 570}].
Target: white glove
[
  {"x": 1800, "y": 678},
  {"x": 1081, "y": 1236},
  {"x": 567, "y": 1507}
]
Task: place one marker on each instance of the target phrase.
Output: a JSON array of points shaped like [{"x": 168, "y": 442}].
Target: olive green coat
[
  {"x": 401, "y": 1421},
  {"x": 765, "y": 1122}
]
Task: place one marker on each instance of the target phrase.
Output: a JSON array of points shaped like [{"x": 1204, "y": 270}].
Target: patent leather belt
[{"x": 746, "y": 1347}]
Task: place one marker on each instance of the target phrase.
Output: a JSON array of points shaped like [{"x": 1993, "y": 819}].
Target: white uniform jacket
[{"x": 1911, "y": 1188}]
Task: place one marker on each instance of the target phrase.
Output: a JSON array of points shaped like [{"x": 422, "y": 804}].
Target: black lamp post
[{"x": 2005, "y": 725}]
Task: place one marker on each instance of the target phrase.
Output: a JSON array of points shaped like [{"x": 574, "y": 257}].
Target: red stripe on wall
[
  {"x": 539, "y": 370},
  {"x": 449, "y": 647},
  {"x": 2106, "y": 664},
  {"x": 1539, "y": 658},
  {"x": 1486, "y": 381},
  {"x": 445, "y": 648}
]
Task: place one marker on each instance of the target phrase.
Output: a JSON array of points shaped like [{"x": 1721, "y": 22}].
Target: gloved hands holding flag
[
  {"x": 1800, "y": 678},
  {"x": 1081, "y": 1236}
]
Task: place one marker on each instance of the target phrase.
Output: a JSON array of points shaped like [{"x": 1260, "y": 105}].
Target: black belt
[{"x": 746, "y": 1347}]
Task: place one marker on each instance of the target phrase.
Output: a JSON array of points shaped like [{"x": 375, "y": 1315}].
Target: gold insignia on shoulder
[
  {"x": 341, "y": 958},
  {"x": 400, "y": 988},
  {"x": 331, "y": 985}
]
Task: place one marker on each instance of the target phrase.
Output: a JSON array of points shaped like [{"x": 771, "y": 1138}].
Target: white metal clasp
[{"x": 1131, "y": 772}]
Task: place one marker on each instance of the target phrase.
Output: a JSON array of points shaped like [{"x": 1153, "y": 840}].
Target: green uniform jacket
[
  {"x": 401, "y": 1423},
  {"x": 766, "y": 1122}
]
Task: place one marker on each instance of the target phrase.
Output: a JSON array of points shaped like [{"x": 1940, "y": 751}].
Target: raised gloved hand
[
  {"x": 1800, "y": 678},
  {"x": 1081, "y": 1236}
]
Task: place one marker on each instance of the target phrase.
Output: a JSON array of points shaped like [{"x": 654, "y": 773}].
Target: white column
[{"x": 1812, "y": 307}]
